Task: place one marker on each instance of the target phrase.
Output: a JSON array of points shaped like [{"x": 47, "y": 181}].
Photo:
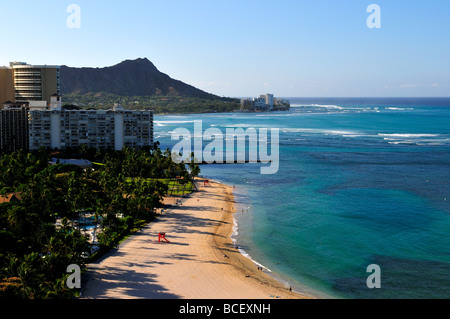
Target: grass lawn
[{"x": 174, "y": 186}]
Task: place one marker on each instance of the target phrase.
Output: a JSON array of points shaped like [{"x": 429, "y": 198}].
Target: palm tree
[{"x": 194, "y": 170}]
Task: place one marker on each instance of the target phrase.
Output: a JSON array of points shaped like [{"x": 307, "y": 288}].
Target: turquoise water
[{"x": 360, "y": 182}]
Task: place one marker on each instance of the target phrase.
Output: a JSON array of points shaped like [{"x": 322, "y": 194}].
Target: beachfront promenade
[{"x": 198, "y": 262}]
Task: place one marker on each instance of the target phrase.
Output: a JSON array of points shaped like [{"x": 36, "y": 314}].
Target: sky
[{"x": 296, "y": 48}]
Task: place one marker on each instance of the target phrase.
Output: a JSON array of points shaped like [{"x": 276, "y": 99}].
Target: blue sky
[{"x": 246, "y": 48}]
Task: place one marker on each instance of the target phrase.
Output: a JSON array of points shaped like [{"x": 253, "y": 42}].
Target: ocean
[{"x": 361, "y": 181}]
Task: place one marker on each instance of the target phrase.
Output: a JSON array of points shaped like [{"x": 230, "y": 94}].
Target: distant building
[
  {"x": 247, "y": 104},
  {"x": 259, "y": 103},
  {"x": 281, "y": 105},
  {"x": 266, "y": 102},
  {"x": 268, "y": 98}
]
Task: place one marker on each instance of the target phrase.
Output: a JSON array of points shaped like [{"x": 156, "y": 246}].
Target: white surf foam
[
  {"x": 337, "y": 107},
  {"x": 162, "y": 123},
  {"x": 407, "y": 135},
  {"x": 319, "y": 131}
]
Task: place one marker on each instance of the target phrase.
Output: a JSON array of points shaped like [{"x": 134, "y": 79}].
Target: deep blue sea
[{"x": 361, "y": 181}]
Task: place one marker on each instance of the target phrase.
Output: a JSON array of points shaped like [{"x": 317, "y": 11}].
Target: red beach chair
[
  {"x": 206, "y": 183},
  {"x": 162, "y": 236}
]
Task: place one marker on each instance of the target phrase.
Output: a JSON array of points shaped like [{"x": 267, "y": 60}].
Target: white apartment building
[{"x": 105, "y": 129}]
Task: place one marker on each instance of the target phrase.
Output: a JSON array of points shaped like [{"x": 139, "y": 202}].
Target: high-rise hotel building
[
  {"x": 22, "y": 82},
  {"x": 6, "y": 85},
  {"x": 23, "y": 86},
  {"x": 14, "y": 127}
]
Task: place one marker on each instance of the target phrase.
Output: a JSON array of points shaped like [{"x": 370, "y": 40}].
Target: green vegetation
[
  {"x": 176, "y": 187},
  {"x": 159, "y": 104},
  {"x": 122, "y": 194}
]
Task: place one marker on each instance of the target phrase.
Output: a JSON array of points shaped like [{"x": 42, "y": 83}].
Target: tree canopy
[{"x": 39, "y": 236}]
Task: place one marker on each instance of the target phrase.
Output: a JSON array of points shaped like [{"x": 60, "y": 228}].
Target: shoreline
[
  {"x": 199, "y": 262},
  {"x": 243, "y": 261},
  {"x": 279, "y": 277}
]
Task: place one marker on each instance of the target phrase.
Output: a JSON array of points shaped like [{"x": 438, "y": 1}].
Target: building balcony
[{"x": 27, "y": 81}]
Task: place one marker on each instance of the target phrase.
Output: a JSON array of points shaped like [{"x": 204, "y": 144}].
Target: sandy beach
[{"x": 198, "y": 262}]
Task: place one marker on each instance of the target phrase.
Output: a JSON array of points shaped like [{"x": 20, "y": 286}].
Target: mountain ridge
[{"x": 138, "y": 77}]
